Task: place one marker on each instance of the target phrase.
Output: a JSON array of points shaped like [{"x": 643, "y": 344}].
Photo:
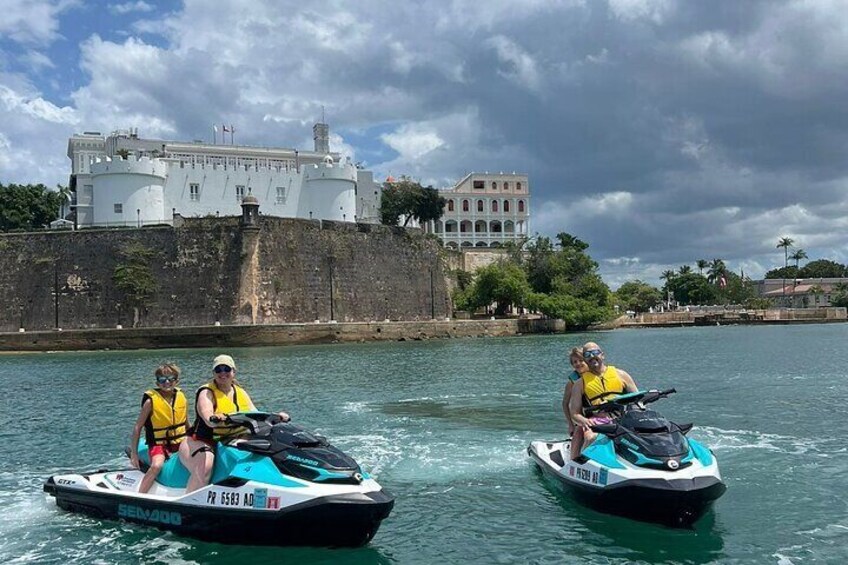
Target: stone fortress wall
[{"x": 211, "y": 270}]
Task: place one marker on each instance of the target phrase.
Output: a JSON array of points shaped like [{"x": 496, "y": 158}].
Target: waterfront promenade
[
  {"x": 713, "y": 317},
  {"x": 262, "y": 335}
]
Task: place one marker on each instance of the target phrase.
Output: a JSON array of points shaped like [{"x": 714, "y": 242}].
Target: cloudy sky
[{"x": 659, "y": 131}]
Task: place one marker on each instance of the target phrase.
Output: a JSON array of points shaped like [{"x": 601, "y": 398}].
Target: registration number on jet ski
[
  {"x": 587, "y": 475},
  {"x": 229, "y": 498}
]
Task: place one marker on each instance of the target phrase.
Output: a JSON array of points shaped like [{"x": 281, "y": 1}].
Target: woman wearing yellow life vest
[
  {"x": 601, "y": 383},
  {"x": 164, "y": 418},
  {"x": 217, "y": 398}
]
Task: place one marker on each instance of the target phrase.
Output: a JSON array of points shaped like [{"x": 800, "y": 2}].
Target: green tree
[
  {"x": 684, "y": 269},
  {"x": 27, "y": 207},
  {"x": 737, "y": 290},
  {"x": 409, "y": 199},
  {"x": 637, "y": 296},
  {"x": 692, "y": 288},
  {"x": 839, "y": 295},
  {"x": 823, "y": 268},
  {"x": 789, "y": 272},
  {"x": 797, "y": 256},
  {"x": 134, "y": 278},
  {"x": 568, "y": 241},
  {"x": 667, "y": 275},
  {"x": 717, "y": 268},
  {"x": 785, "y": 243},
  {"x": 565, "y": 281},
  {"x": 578, "y": 313},
  {"x": 503, "y": 283},
  {"x": 702, "y": 264}
]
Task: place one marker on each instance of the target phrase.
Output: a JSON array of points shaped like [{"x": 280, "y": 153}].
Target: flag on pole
[{"x": 225, "y": 129}]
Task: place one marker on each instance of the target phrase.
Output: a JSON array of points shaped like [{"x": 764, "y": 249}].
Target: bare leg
[
  {"x": 577, "y": 442},
  {"x": 152, "y": 473},
  {"x": 199, "y": 459},
  {"x": 588, "y": 437}
]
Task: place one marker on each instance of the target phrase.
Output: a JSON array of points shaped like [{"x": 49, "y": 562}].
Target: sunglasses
[
  {"x": 223, "y": 369},
  {"x": 592, "y": 353},
  {"x": 163, "y": 379}
]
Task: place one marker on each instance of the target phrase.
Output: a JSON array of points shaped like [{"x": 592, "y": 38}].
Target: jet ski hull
[
  {"x": 646, "y": 495},
  {"x": 338, "y": 520}
]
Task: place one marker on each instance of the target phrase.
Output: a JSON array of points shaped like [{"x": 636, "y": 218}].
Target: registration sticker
[
  {"x": 260, "y": 497},
  {"x": 604, "y": 476}
]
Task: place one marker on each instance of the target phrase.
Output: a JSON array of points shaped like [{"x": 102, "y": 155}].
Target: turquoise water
[{"x": 444, "y": 425}]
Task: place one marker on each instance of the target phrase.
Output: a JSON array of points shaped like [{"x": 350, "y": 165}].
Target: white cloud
[
  {"x": 413, "y": 141},
  {"x": 32, "y": 21},
  {"x": 655, "y": 11},
  {"x": 129, "y": 7},
  {"x": 520, "y": 66},
  {"x": 608, "y": 204},
  {"x": 36, "y": 107},
  {"x": 5, "y": 152},
  {"x": 37, "y": 61}
]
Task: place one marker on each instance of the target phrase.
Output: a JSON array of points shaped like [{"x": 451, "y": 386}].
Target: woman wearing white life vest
[
  {"x": 164, "y": 418},
  {"x": 217, "y": 398}
]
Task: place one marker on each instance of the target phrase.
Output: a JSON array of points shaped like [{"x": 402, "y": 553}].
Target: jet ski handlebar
[
  {"x": 618, "y": 403},
  {"x": 258, "y": 423}
]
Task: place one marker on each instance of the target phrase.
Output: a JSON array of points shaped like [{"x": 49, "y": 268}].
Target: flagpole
[{"x": 232, "y": 134}]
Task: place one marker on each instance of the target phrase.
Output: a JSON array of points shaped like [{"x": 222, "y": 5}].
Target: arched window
[
  {"x": 465, "y": 205},
  {"x": 494, "y": 185},
  {"x": 450, "y": 205},
  {"x": 494, "y": 205},
  {"x": 518, "y": 186},
  {"x": 479, "y": 205},
  {"x": 520, "y": 205},
  {"x": 506, "y": 186},
  {"x": 506, "y": 205}
]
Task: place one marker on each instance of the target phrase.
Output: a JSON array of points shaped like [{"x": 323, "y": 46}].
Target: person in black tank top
[{"x": 197, "y": 452}]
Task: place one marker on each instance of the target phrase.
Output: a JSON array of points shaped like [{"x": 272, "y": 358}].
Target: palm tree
[
  {"x": 785, "y": 243},
  {"x": 685, "y": 269},
  {"x": 797, "y": 256},
  {"x": 668, "y": 275},
  {"x": 717, "y": 268},
  {"x": 702, "y": 264}
]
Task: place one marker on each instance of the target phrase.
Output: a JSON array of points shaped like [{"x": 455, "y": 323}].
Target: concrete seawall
[
  {"x": 723, "y": 317},
  {"x": 281, "y": 334}
]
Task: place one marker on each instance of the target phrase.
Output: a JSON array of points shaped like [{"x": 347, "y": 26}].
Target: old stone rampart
[{"x": 210, "y": 270}]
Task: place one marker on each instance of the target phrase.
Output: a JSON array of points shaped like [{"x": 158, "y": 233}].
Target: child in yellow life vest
[{"x": 164, "y": 416}]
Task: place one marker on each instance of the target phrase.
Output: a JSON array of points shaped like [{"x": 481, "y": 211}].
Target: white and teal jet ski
[
  {"x": 276, "y": 485},
  {"x": 641, "y": 466}
]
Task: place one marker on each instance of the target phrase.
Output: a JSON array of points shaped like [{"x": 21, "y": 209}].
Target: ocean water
[{"x": 444, "y": 426}]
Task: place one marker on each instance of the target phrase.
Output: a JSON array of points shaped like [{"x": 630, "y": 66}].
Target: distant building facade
[
  {"x": 799, "y": 293},
  {"x": 484, "y": 210},
  {"x": 126, "y": 180}
]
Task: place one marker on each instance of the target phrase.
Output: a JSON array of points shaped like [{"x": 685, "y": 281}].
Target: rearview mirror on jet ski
[
  {"x": 255, "y": 445},
  {"x": 606, "y": 429}
]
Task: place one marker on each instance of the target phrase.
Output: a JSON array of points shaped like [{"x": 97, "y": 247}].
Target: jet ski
[
  {"x": 642, "y": 466},
  {"x": 277, "y": 484}
]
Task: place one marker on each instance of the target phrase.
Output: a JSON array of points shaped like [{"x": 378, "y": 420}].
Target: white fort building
[
  {"x": 126, "y": 180},
  {"x": 484, "y": 210}
]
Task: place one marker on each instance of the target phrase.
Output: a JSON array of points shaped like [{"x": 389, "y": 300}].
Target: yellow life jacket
[
  {"x": 222, "y": 404},
  {"x": 168, "y": 418},
  {"x": 598, "y": 389}
]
